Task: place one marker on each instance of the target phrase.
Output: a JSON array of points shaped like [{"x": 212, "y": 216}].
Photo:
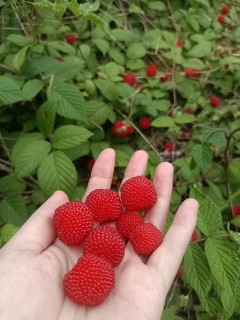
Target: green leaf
[
  {"x": 45, "y": 117},
  {"x": 136, "y": 51},
  {"x": 12, "y": 184},
  {"x": 122, "y": 35},
  {"x": 102, "y": 45},
  {"x": 99, "y": 22},
  {"x": 57, "y": 172},
  {"x": 201, "y": 50},
  {"x": 13, "y": 210},
  {"x": 209, "y": 215},
  {"x": 157, "y": 5},
  {"x": 19, "y": 58},
  {"x": 89, "y": 7},
  {"x": 117, "y": 56},
  {"x": 23, "y": 142},
  {"x": 169, "y": 314},
  {"x": 18, "y": 39},
  {"x": 184, "y": 118},
  {"x": 202, "y": 155},
  {"x": 163, "y": 122},
  {"x": 193, "y": 63},
  {"x": 97, "y": 147},
  {"x": 69, "y": 136},
  {"x": 69, "y": 101},
  {"x": 10, "y": 92},
  {"x": 30, "y": 157},
  {"x": 108, "y": 89},
  {"x": 8, "y": 231},
  {"x": 197, "y": 271},
  {"x": 97, "y": 111},
  {"x": 75, "y": 153},
  {"x": 236, "y": 221},
  {"x": 31, "y": 88},
  {"x": 62, "y": 47},
  {"x": 234, "y": 235},
  {"x": 224, "y": 262}
]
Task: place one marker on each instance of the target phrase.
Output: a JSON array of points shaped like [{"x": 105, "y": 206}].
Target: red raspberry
[
  {"x": 165, "y": 78},
  {"x": 73, "y": 222},
  {"x": 120, "y": 129},
  {"x": 145, "y": 238},
  {"x": 194, "y": 236},
  {"x": 151, "y": 71},
  {"x": 138, "y": 193},
  {"x": 215, "y": 101},
  {"x": 127, "y": 222},
  {"x": 105, "y": 205},
  {"x": 225, "y": 10},
  {"x": 192, "y": 73},
  {"x": 221, "y": 19},
  {"x": 71, "y": 38},
  {"x": 130, "y": 130},
  {"x": 129, "y": 78},
  {"x": 145, "y": 123},
  {"x": 90, "y": 281},
  {"x": 105, "y": 241},
  {"x": 90, "y": 164},
  {"x": 169, "y": 147},
  {"x": 235, "y": 210},
  {"x": 179, "y": 44}
]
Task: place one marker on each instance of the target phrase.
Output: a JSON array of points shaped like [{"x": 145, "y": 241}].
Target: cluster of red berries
[
  {"x": 224, "y": 10},
  {"x": 122, "y": 128},
  {"x": 92, "y": 278}
]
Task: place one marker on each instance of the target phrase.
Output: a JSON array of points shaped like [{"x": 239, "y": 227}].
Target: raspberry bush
[{"x": 162, "y": 76}]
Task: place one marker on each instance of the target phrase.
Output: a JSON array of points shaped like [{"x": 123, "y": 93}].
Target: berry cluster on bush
[{"x": 92, "y": 278}]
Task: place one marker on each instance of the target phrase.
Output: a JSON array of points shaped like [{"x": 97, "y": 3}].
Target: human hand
[{"x": 34, "y": 262}]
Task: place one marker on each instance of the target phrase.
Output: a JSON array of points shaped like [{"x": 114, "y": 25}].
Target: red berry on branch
[
  {"x": 179, "y": 44},
  {"x": 215, "y": 101},
  {"x": 129, "y": 78},
  {"x": 71, "y": 38},
  {"x": 119, "y": 129},
  {"x": 145, "y": 123},
  {"x": 165, "y": 78},
  {"x": 235, "y": 208},
  {"x": 225, "y": 10},
  {"x": 192, "y": 73},
  {"x": 151, "y": 70},
  {"x": 169, "y": 147},
  {"x": 221, "y": 19},
  {"x": 90, "y": 164}
]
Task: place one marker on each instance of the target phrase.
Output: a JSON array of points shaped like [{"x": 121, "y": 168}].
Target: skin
[{"x": 34, "y": 262}]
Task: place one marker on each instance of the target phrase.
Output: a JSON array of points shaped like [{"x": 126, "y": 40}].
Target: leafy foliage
[{"x": 63, "y": 87}]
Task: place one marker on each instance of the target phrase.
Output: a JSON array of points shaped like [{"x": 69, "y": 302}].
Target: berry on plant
[
  {"x": 127, "y": 222},
  {"x": 130, "y": 130},
  {"x": 225, "y": 10},
  {"x": 138, "y": 193},
  {"x": 105, "y": 204},
  {"x": 73, "y": 222},
  {"x": 179, "y": 272},
  {"x": 105, "y": 241},
  {"x": 129, "y": 78},
  {"x": 90, "y": 164},
  {"x": 151, "y": 70},
  {"x": 145, "y": 238},
  {"x": 71, "y": 38},
  {"x": 194, "y": 236},
  {"x": 179, "y": 44},
  {"x": 169, "y": 147},
  {"x": 165, "y": 78},
  {"x": 145, "y": 123},
  {"x": 221, "y": 19},
  {"x": 192, "y": 73},
  {"x": 90, "y": 281},
  {"x": 120, "y": 129},
  {"x": 235, "y": 210},
  {"x": 215, "y": 101}
]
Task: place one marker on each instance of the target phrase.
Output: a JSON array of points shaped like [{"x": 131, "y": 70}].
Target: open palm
[{"x": 34, "y": 262}]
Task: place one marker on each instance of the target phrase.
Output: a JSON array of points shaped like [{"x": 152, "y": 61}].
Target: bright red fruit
[
  {"x": 90, "y": 164},
  {"x": 192, "y": 73},
  {"x": 221, "y": 19},
  {"x": 235, "y": 210},
  {"x": 225, "y": 10},
  {"x": 179, "y": 272},
  {"x": 130, "y": 130},
  {"x": 145, "y": 123},
  {"x": 73, "y": 222},
  {"x": 151, "y": 70},
  {"x": 215, "y": 101},
  {"x": 71, "y": 38},
  {"x": 127, "y": 222},
  {"x": 90, "y": 281},
  {"x": 169, "y": 147},
  {"x": 194, "y": 236},
  {"x": 120, "y": 129},
  {"x": 145, "y": 238},
  {"x": 105, "y": 241},
  {"x": 129, "y": 78},
  {"x": 105, "y": 204},
  {"x": 179, "y": 44},
  {"x": 138, "y": 193},
  {"x": 165, "y": 78}
]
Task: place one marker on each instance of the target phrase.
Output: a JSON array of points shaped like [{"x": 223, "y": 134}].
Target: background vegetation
[{"x": 163, "y": 76}]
